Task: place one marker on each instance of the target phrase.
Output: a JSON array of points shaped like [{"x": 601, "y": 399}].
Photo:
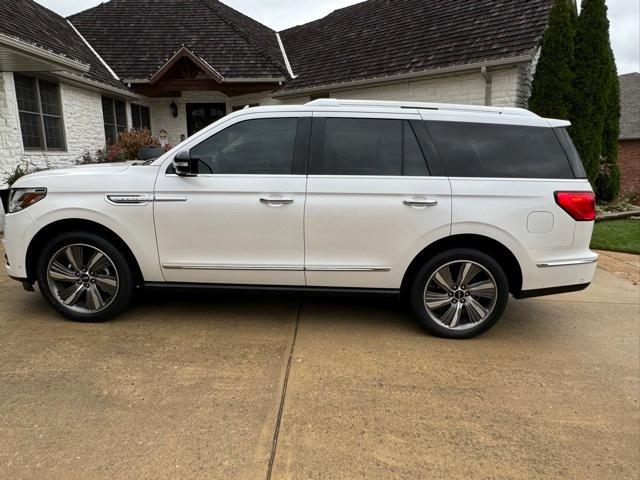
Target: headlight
[{"x": 21, "y": 198}]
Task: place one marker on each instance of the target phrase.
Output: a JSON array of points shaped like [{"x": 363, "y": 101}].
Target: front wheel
[
  {"x": 85, "y": 277},
  {"x": 460, "y": 293}
]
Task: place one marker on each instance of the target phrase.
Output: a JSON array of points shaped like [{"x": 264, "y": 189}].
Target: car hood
[{"x": 92, "y": 177}]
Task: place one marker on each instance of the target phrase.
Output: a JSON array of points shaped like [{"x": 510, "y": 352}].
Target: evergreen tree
[
  {"x": 591, "y": 84},
  {"x": 608, "y": 181},
  {"x": 551, "y": 91}
]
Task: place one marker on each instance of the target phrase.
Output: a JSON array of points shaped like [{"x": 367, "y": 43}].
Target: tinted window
[
  {"x": 414, "y": 162},
  {"x": 505, "y": 151},
  {"x": 572, "y": 153},
  {"x": 355, "y": 146},
  {"x": 264, "y": 146}
]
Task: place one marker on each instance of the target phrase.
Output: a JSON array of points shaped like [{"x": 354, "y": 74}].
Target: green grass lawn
[{"x": 617, "y": 236}]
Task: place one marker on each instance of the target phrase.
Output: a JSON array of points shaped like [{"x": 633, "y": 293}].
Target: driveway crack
[{"x": 283, "y": 394}]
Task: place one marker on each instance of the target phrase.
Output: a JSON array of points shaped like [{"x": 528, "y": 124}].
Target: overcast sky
[{"x": 279, "y": 14}]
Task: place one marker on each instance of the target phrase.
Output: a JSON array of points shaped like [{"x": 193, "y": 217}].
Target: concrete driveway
[{"x": 234, "y": 387}]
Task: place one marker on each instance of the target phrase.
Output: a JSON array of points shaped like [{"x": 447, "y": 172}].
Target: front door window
[{"x": 201, "y": 115}]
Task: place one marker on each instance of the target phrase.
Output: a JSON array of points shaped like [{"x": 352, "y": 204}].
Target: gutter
[
  {"x": 99, "y": 86},
  {"x": 143, "y": 81},
  {"x": 405, "y": 76},
  {"x": 41, "y": 54}
]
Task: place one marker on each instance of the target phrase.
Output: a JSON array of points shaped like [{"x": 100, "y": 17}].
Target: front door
[
  {"x": 240, "y": 219},
  {"x": 200, "y": 115}
]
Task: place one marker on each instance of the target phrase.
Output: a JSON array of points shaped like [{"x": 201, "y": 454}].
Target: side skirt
[{"x": 392, "y": 292}]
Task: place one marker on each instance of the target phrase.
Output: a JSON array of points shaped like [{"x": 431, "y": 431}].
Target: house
[
  {"x": 629, "y": 143},
  {"x": 70, "y": 85}
]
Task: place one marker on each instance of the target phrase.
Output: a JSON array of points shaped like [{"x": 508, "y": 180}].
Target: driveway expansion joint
[{"x": 283, "y": 395}]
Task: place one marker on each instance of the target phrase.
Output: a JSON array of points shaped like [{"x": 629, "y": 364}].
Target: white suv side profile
[{"x": 451, "y": 207}]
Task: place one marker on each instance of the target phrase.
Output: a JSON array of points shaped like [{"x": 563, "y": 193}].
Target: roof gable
[
  {"x": 34, "y": 24},
  {"x": 137, "y": 37},
  {"x": 381, "y": 38}
]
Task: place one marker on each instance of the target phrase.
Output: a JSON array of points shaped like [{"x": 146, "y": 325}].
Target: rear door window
[
  {"x": 502, "y": 151},
  {"x": 366, "y": 147}
]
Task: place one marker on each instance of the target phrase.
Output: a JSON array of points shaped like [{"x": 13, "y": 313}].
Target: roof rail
[{"x": 335, "y": 103}]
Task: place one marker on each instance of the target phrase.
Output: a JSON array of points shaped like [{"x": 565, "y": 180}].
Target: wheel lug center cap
[
  {"x": 459, "y": 294},
  {"x": 85, "y": 277}
]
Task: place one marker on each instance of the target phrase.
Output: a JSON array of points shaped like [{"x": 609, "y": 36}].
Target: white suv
[{"x": 450, "y": 207}]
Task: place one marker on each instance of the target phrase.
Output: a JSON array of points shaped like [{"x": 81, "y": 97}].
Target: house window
[
  {"x": 40, "y": 113},
  {"x": 115, "y": 118},
  {"x": 140, "y": 116}
]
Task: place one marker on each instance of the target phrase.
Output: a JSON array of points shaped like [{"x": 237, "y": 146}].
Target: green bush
[
  {"x": 607, "y": 185},
  {"x": 21, "y": 169}
]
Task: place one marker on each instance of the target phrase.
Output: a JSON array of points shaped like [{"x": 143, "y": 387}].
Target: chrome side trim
[
  {"x": 140, "y": 198},
  {"x": 204, "y": 266},
  {"x": 287, "y": 268},
  {"x": 346, "y": 269},
  {"x": 169, "y": 198},
  {"x": 566, "y": 263},
  {"x": 127, "y": 199}
]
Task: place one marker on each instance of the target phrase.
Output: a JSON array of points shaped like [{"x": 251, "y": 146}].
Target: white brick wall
[{"x": 82, "y": 116}]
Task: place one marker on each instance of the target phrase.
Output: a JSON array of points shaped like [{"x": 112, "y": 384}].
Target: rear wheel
[
  {"x": 459, "y": 293},
  {"x": 85, "y": 277}
]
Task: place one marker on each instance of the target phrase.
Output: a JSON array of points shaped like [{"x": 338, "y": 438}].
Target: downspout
[{"x": 488, "y": 85}]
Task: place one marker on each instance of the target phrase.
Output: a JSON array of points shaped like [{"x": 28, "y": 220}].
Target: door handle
[
  {"x": 420, "y": 203},
  {"x": 276, "y": 202}
]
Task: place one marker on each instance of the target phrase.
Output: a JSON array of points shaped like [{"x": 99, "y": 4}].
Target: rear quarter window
[{"x": 502, "y": 151}]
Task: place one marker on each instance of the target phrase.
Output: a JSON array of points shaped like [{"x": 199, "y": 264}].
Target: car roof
[{"x": 428, "y": 111}]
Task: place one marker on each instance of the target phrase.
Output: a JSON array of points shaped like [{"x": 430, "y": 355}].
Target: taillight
[{"x": 580, "y": 205}]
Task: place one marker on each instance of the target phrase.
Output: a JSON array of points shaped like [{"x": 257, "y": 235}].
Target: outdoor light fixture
[{"x": 174, "y": 109}]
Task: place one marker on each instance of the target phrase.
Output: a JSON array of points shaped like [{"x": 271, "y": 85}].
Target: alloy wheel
[
  {"x": 82, "y": 278},
  {"x": 460, "y": 295}
]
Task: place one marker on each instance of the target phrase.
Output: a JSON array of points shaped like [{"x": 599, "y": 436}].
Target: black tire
[
  {"x": 125, "y": 278},
  {"x": 417, "y": 293}
]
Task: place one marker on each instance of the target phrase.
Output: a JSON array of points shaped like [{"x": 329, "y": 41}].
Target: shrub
[
  {"x": 22, "y": 169},
  {"x": 607, "y": 185},
  {"x": 109, "y": 154},
  {"x": 133, "y": 140}
]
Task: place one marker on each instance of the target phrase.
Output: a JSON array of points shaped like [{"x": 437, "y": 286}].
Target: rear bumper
[
  {"x": 541, "y": 292},
  {"x": 558, "y": 269}
]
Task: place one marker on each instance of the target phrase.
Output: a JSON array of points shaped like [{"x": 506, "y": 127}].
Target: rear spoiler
[{"x": 558, "y": 123}]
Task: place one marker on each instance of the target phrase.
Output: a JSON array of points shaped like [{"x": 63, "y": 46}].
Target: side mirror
[{"x": 184, "y": 165}]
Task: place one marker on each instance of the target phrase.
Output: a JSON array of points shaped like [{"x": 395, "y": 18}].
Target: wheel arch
[
  {"x": 488, "y": 245},
  {"x": 58, "y": 227}
]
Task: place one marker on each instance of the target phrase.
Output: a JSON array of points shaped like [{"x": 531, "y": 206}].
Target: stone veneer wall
[
  {"x": 83, "y": 125},
  {"x": 510, "y": 88}
]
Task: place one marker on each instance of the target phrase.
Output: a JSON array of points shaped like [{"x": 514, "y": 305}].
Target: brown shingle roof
[
  {"x": 34, "y": 24},
  {"x": 630, "y": 106},
  {"x": 137, "y": 37},
  {"x": 380, "y": 38}
]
